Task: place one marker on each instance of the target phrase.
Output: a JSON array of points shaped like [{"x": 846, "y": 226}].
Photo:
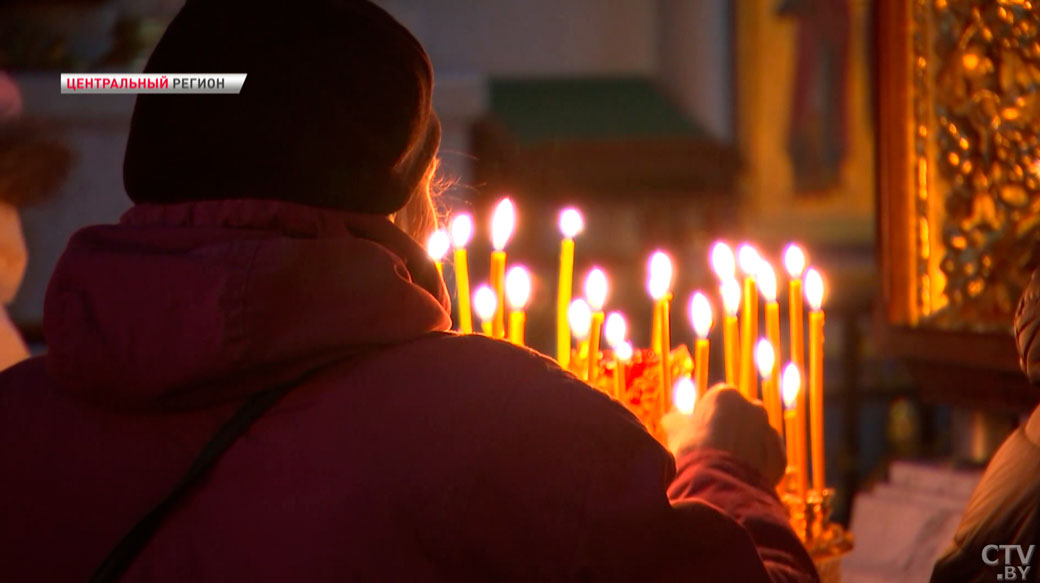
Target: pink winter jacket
[{"x": 432, "y": 456}]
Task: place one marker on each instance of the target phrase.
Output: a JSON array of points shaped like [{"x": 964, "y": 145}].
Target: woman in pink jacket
[{"x": 265, "y": 303}]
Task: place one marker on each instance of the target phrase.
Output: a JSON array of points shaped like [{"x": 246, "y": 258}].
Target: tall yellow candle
[
  {"x": 571, "y": 223},
  {"x": 614, "y": 331},
  {"x": 437, "y": 247},
  {"x": 749, "y": 260},
  {"x": 701, "y": 318},
  {"x": 461, "y": 231},
  {"x": 622, "y": 354},
  {"x": 767, "y": 285},
  {"x": 518, "y": 291},
  {"x": 659, "y": 283},
  {"x": 503, "y": 220},
  {"x": 794, "y": 420},
  {"x": 596, "y": 295},
  {"x": 579, "y": 316},
  {"x": 765, "y": 358},
  {"x": 484, "y": 303},
  {"x": 730, "y": 291},
  {"x": 794, "y": 261},
  {"x": 814, "y": 295}
]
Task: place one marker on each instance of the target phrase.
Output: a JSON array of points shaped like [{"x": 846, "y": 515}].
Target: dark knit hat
[{"x": 336, "y": 110}]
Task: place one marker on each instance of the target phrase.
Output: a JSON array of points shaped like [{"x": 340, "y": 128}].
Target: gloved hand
[{"x": 723, "y": 419}]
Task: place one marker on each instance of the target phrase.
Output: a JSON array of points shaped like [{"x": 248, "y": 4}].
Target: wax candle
[
  {"x": 461, "y": 231},
  {"x": 614, "y": 331},
  {"x": 749, "y": 260},
  {"x": 814, "y": 295},
  {"x": 794, "y": 261},
  {"x": 571, "y": 223},
  {"x": 623, "y": 354},
  {"x": 723, "y": 263},
  {"x": 518, "y": 291},
  {"x": 701, "y": 318},
  {"x": 437, "y": 247},
  {"x": 659, "y": 283},
  {"x": 793, "y": 421},
  {"x": 730, "y": 292},
  {"x": 484, "y": 303},
  {"x": 502, "y": 222},
  {"x": 596, "y": 295},
  {"x": 684, "y": 396},
  {"x": 579, "y": 317},
  {"x": 765, "y": 358},
  {"x": 767, "y": 285}
]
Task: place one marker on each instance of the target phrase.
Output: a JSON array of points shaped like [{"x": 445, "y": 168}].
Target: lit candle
[
  {"x": 502, "y": 222},
  {"x": 659, "y": 284},
  {"x": 793, "y": 420},
  {"x": 814, "y": 295},
  {"x": 596, "y": 295},
  {"x": 614, "y": 331},
  {"x": 794, "y": 261},
  {"x": 623, "y": 354},
  {"x": 701, "y": 318},
  {"x": 461, "y": 231},
  {"x": 571, "y": 223},
  {"x": 730, "y": 291},
  {"x": 767, "y": 285},
  {"x": 749, "y": 260},
  {"x": 722, "y": 262},
  {"x": 518, "y": 291},
  {"x": 579, "y": 317},
  {"x": 684, "y": 395},
  {"x": 765, "y": 358},
  {"x": 484, "y": 303},
  {"x": 437, "y": 247}
]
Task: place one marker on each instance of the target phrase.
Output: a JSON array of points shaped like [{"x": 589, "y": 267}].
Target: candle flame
[
  {"x": 814, "y": 289},
  {"x": 615, "y": 329},
  {"x": 438, "y": 244},
  {"x": 596, "y": 289},
  {"x": 502, "y": 223},
  {"x": 748, "y": 258},
  {"x": 684, "y": 395},
  {"x": 765, "y": 357},
  {"x": 660, "y": 279},
  {"x": 623, "y": 351},
  {"x": 485, "y": 302},
  {"x": 791, "y": 384},
  {"x": 518, "y": 287},
  {"x": 579, "y": 316},
  {"x": 794, "y": 260},
  {"x": 723, "y": 262},
  {"x": 730, "y": 291},
  {"x": 766, "y": 280},
  {"x": 461, "y": 231},
  {"x": 700, "y": 315},
  {"x": 571, "y": 222}
]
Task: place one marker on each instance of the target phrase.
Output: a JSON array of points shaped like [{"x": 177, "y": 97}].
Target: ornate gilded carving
[{"x": 976, "y": 108}]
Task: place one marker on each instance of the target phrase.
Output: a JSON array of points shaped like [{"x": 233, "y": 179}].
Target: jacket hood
[{"x": 191, "y": 304}]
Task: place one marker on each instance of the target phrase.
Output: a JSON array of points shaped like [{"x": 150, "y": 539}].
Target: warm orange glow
[
  {"x": 790, "y": 385},
  {"x": 970, "y": 61},
  {"x": 623, "y": 351},
  {"x": 700, "y": 315},
  {"x": 615, "y": 329},
  {"x": 438, "y": 244},
  {"x": 723, "y": 262},
  {"x": 730, "y": 291},
  {"x": 684, "y": 395},
  {"x": 461, "y": 231},
  {"x": 579, "y": 316},
  {"x": 749, "y": 259},
  {"x": 518, "y": 287},
  {"x": 814, "y": 289},
  {"x": 502, "y": 223},
  {"x": 596, "y": 289},
  {"x": 485, "y": 302},
  {"x": 660, "y": 279},
  {"x": 571, "y": 222},
  {"x": 766, "y": 281},
  {"x": 794, "y": 260},
  {"x": 765, "y": 357}
]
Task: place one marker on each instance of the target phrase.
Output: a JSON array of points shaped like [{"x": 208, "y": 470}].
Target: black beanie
[{"x": 336, "y": 110}]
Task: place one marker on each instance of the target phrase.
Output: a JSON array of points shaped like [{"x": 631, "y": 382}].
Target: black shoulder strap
[{"x": 124, "y": 553}]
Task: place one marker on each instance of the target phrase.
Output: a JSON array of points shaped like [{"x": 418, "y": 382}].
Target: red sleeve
[{"x": 719, "y": 479}]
